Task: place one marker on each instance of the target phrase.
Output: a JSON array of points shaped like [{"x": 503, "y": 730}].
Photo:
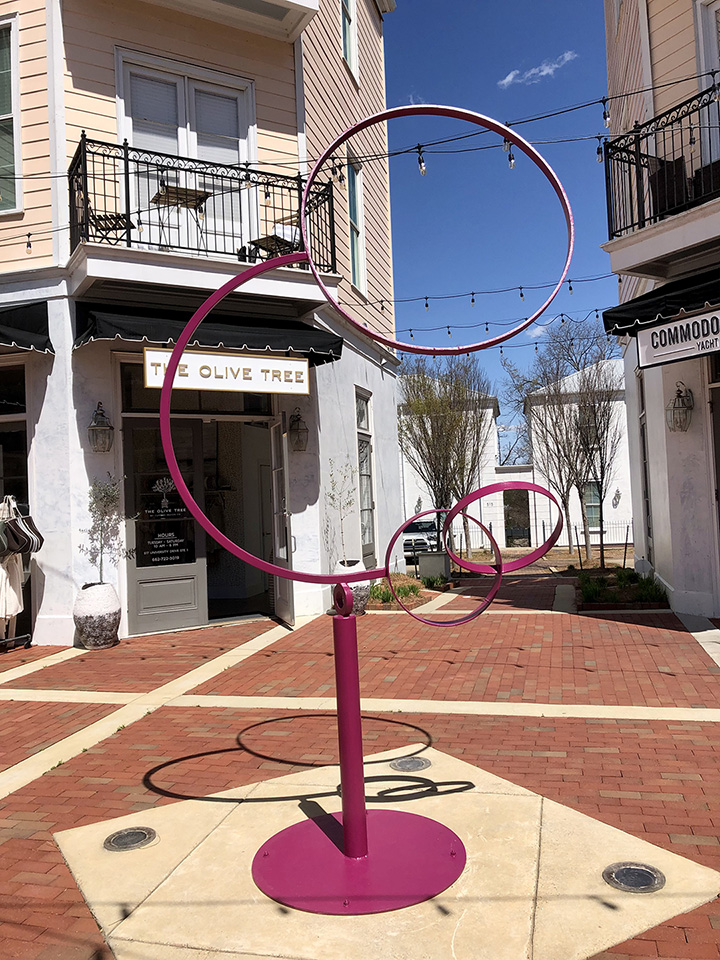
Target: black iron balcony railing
[
  {"x": 125, "y": 196},
  {"x": 665, "y": 166}
]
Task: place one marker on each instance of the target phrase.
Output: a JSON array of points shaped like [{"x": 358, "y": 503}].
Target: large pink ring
[
  {"x": 520, "y": 561},
  {"x": 495, "y": 569},
  {"x": 166, "y": 436},
  {"x": 481, "y": 121}
]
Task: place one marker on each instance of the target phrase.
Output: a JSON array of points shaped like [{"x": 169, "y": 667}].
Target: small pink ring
[
  {"x": 481, "y": 121},
  {"x": 482, "y": 606},
  {"x": 520, "y": 562},
  {"x": 343, "y": 599}
]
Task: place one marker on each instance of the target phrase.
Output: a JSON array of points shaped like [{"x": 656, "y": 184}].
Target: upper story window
[
  {"x": 357, "y": 232},
  {"x": 194, "y": 114},
  {"x": 9, "y": 117},
  {"x": 349, "y": 34},
  {"x": 708, "y": 25},
  {"x": 187, "y": 114}
]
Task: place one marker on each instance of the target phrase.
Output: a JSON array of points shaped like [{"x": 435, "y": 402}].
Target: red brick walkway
[
  {"x": 612, "y": 659},
  {"x": 30, "y": 727},
  {"x": 658, "y": 779},
  {"x": 140, "y": 663}
]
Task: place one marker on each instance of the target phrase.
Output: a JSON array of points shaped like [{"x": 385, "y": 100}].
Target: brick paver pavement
[
  {"x": 140, "y": 663},
  {"x": 656, "y": 778},
  {"x": 30, "y": 727},
  {"x": 647, "y": 660}
]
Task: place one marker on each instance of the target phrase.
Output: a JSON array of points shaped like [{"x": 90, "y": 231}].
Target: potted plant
[
  {"x": 97, "y": 608},
  {"x": 341, "y": 499}
]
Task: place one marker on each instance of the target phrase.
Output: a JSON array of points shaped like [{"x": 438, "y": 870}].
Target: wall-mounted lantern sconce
[
  {"x": 678, "y": 413},
  {"x": 616, "y": 497},
  {"x": 101, "y": 432},
  {"x": 298, "y": 431}
]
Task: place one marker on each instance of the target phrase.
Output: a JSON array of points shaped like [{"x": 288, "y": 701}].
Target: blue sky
[{"x": 472, "y": 223}]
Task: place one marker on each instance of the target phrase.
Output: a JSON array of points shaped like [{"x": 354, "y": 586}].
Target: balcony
[
  {"x": 657, "y": 176},
  {"x": 122, "y": 196}
]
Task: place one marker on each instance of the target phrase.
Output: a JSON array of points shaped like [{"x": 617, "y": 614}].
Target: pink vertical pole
[{"x": 347, "y": 684}]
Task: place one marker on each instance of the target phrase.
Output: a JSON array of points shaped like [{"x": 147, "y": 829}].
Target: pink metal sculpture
[{"x": 358, "y": 862}]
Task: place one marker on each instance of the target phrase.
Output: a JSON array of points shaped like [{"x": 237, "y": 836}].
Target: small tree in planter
[{"x": 97, "y": 608}]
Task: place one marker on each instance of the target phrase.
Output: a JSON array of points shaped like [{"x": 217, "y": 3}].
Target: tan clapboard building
[
  {"x": 149, "y": 152},
  {"x": 662, "y": 165}
]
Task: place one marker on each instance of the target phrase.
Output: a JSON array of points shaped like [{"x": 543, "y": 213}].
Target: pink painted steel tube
[{"x": 347, "y": 682}]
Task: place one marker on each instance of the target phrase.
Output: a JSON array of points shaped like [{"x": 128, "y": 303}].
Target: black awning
[
  {"x": 292, "y": 338},
  {"x": 658, "y": 306},
  {"x": 25, "y": 327}
]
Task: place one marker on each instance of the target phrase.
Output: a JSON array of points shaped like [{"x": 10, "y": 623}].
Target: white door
[
  {"x": 282, "y": 538},
  {"x": 218, "y": 134}
]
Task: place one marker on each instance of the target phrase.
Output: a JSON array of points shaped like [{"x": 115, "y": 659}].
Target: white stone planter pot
[
  {"x": 97, "y": 616},
  {"x": 360, "y": 591}
]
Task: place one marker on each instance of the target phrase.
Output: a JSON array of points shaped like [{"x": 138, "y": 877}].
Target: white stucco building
[
  {"x": 152, "y": 151},
  {"x": 663, "y": 179}
]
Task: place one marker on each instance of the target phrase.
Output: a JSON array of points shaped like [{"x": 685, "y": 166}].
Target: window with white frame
[
  {"x": 591, "y": 498},
  {"x": 357, "y": 232},
  {"x": 365, "y": 476},
  {"x": 708, "y": 27},
  {"x": 348, "y": 13},
  {"x": 9, "y": 117},
  {"x": 194, "y": 113}
]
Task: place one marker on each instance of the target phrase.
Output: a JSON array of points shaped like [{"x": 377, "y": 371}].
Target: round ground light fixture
[
  {"x": 410, "y": 764},
  {"x": 634, "y": 877},
  {"x": 131, "y": 838}
]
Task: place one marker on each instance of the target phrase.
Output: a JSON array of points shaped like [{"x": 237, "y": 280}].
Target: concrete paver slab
[{"x": 532, "y": 886}]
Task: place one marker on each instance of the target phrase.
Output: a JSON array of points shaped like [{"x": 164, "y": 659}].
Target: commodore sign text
[{"x": 678, "y": 340}]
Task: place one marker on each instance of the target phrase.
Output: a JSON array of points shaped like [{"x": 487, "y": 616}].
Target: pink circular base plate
[{"x": 410, "y": 859}]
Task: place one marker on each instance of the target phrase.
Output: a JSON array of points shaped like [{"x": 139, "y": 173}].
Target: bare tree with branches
[
  {"x": 547, "y": 401},
  {"x": 599, "y": 430},
  {"x": 444, "y": 426}
]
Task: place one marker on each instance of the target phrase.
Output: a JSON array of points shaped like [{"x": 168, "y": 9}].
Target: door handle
[{"x": 293, "y": 543}]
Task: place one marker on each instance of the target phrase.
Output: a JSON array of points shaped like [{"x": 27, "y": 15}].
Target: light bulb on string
[
  {"x": 28, "y": 245},
  {"x": 382, "y": 306},
  {"x": 522, "y": 295},
  {"x": 511, "y": 161},
  {"x": 562, "y": 318},
  {"x": 427, "y": 305},
  {"x": 411, "y": 335},
  {"x": 140, "y": 223},
  {"x": 606, "y": 113},
  {"x": 536, "y": 350},
  {"x": 597, "y": 315},
  {"x": 506, "y": 145},
  {"x": 421, "y": 161},
  {"x": 501, "y": 352},
  {"x": 449, "y": 334},
  {"x": 487, "y": 329},
  {"x": 472, "y": 302},
  {"x": 599, "y": 150},
  {"x": 570, "y": 287}
]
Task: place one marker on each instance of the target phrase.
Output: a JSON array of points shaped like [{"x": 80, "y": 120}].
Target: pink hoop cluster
[{"x": 342, "y": 595}]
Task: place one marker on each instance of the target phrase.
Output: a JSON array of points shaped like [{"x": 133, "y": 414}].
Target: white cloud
[
  {"x": 546, "y": 69},
  {"x": 535, "y": 330}
]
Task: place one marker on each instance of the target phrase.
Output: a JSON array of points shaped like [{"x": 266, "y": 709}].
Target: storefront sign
[
  {"x": 233, "y": 372},
  {"x": 679, "y": 340}
]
